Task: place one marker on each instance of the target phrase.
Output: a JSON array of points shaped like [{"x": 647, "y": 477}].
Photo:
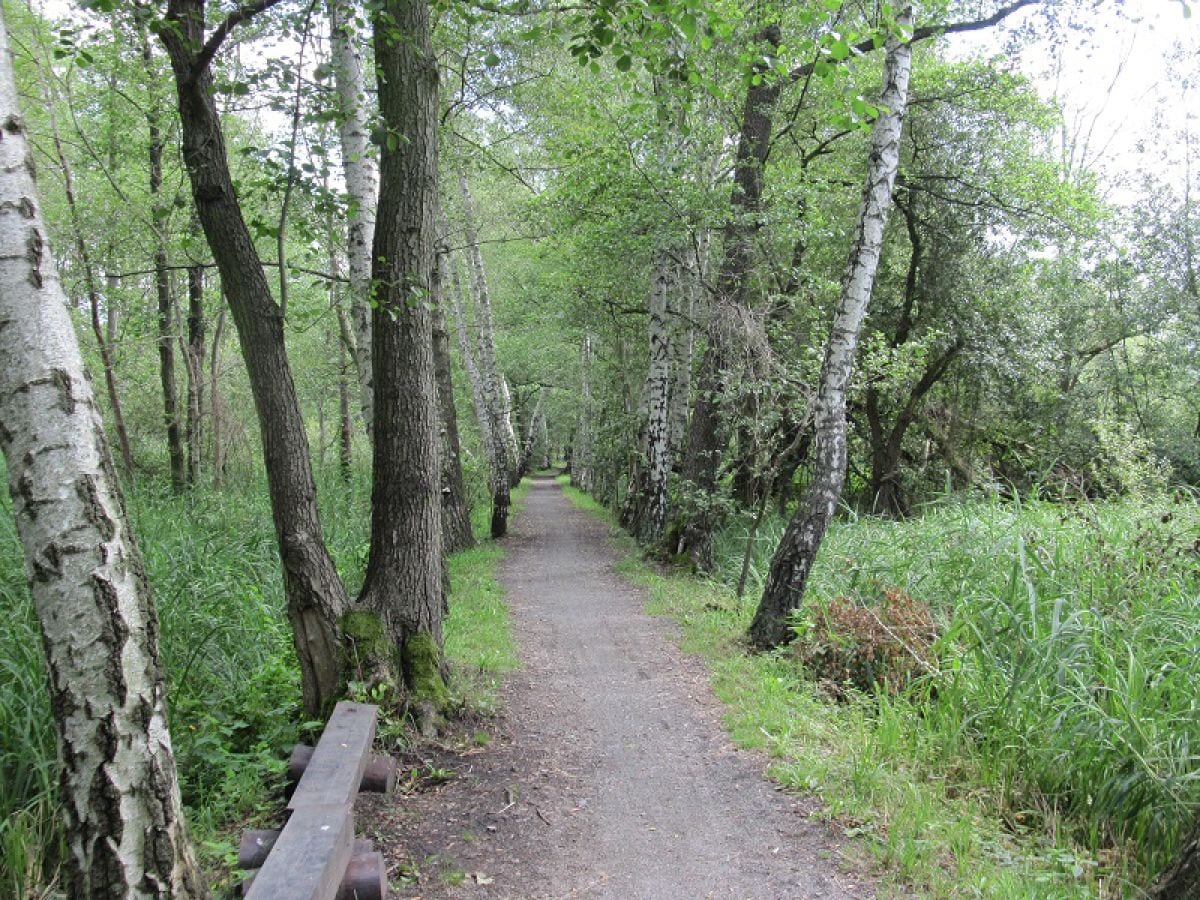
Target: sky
[{"x": 1116, "y": 69}]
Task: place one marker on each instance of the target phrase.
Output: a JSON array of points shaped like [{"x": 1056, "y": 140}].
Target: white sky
[{"x": 1117, "y": 72}]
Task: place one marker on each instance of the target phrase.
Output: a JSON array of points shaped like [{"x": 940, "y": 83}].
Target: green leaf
[
  {"x": 491, "y": 60},
  {"x": 839, "y": 50},
  {"x": 624, "y": 62}
]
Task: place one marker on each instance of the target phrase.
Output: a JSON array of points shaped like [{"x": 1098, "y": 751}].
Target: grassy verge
[
  {"x": 479, "y": 641},
  {"x": 1051, "y": 755}
]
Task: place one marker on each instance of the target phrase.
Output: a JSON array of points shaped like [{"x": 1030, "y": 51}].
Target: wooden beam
[
  {"x": 340, "y": 758},
  {"x": 310, "y": 857}
]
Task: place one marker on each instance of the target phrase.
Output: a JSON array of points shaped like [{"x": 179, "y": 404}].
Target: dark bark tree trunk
[
  {"x": 194, "y": 351},
  {"x": 1182, "y": 880},
  {"x": 708, "y": 435},
  {"x": 162, "y": 292},
  {"x": 315, "y": 596},
  {"x": 456, "y": 516},
  {"x": 346, "y": 425},
  {"x": 214, "y": 399},
  {"x": 119, "y": 799},
  {"x": 793, "y": 560},
  {"x": 403, "y": 584}
]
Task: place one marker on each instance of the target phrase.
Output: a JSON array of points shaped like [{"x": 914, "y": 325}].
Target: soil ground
[{"x": 608, "y": 774}]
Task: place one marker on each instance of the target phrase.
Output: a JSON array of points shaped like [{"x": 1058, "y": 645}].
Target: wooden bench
[{"x": 315, "y": 856}]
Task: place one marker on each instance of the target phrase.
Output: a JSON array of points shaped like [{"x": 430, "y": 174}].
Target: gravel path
[{"x": 610, "y": 776}]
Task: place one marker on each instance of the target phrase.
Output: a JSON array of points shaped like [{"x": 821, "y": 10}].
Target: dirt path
[{"x": 610, "y": 776}]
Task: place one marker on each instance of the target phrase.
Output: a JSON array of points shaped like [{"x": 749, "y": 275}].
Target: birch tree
[
  {"x": 125, "y": 831},
  {"x": 456, "y": 518},
  {"x": 793, "y": 560},
  {"x": 645, "y": 512},
  {"x": 492, "y": 388},
  {"x": 582, "y": 456},
  {"x": 362, "y": 183}
]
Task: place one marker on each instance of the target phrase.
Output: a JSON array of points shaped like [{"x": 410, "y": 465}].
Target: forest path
[{"x": 610, "y": 775}]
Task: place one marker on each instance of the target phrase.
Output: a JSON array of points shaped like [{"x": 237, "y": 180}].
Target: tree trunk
[
  {"x": 707, "y": 436},
  {"x": 456, "y": 515},
  {"x": 362, "y": 183},
  {"x": 512, "y": 450},
  {"x": 683, "y": 345},
  {"x": 119, "y": 793},
  {"x": 793, "y": 560},
  {"x": 346, "y": 425},
  {"x": 162, "y": 291},
  {"x": 887, "y": 444},
  {"x": 503, "y": 461},
  {"x": 93, "y": 291},
  {"x": 498, "y": 481},
  {"x": 581, "y": 454},
  {"x": 194, "y": 355},
  {"x": 1182, "y": 880},
  {"x": 531, "y": 435},
  {"x": 645, "y": 514},
  {"x": 403, "y": 585},
  {"x": 214, "y": 398},
  {"x": 315, "y": 596},
  {"x": 346, "y": 351}
]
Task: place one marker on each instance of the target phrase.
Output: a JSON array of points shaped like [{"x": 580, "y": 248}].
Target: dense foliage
[{"x": 1008, "y": 605}]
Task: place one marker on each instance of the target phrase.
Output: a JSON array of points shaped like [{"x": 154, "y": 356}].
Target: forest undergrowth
[
  {"x": 1044, "y": 744},
  {"x": 233, "y": 681}
]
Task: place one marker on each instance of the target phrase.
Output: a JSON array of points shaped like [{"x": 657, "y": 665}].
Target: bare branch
[
  {"x": 925, "y": 32},
  {"x": 234, "y": 19}
]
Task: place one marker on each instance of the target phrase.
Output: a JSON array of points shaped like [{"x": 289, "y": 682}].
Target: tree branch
[
  {"x": 925, "y": 32},
  {"x": 234, "y": 19}
]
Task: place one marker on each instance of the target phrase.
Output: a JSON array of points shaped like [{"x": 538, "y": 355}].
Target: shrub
[{"x": 883, "y": 645}]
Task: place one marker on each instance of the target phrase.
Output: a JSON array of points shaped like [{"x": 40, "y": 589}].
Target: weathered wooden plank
[
  {"x": 340, "y": 758},
  {"x": 379, "y": 777},
  {"x": 310, "y": 857}
]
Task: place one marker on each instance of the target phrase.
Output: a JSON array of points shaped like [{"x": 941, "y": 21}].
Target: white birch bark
[
  {"x": 119, "y": 793},
  {"x": 543, "y": 438},
  {"x": 658, "y": 434},
  {"x": 362, "y": 183},
  {"x": 683, "y": 350},
  {"x": 489, "y": 427},
  {"x": 506, "y": 420},
  {"x": 646, "y": 500},
  {"x": 793, "y": 560},
  {"x": 531, "y": 435},
  {"x": 494, "y": 388},
  {"x": 478, "y": 395}
]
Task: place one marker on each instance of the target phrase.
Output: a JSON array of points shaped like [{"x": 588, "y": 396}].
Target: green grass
[
  {"x": 479, "y": 641},
  {"x": 1053, "y": 754}
]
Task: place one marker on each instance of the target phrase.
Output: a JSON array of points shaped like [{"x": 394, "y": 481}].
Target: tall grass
[
  {"x": 30, "y": 840},
  {"x": 232, "y": 679},
  {"x": 1069, "y": 674}
]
